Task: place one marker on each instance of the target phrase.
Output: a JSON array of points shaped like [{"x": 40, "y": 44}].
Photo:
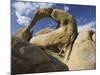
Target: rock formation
[
  {"x": 44, "y": 31},
  {"x": 62, "y": 37},
  {"x": 27, "y": 58},
  {"x": 30, "y": 54},
  {"x": 26, "y": 33},
  {"x": 94, "y": 37},
  {"x": 83, "y": 54}
]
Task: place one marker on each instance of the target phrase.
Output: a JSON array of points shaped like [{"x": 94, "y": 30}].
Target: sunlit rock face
[
  {"x": 94, "y": 37},
  {"x": 83, "y": 55},
  {"x": 62, "y": 37},
  {"x": 44, "y": 31}
]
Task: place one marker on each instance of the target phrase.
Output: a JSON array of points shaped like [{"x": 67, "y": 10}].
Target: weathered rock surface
[
  {"x": 94, "y": 37},
  {"x": 83, "y": 55},
  {"x": 24, "y": 34},
  {"x": 27, "y": 58},
  {"x": 63, "y": 37},
  {"x": 44, "y": 31},
  {"x": 33, "y": 57}
]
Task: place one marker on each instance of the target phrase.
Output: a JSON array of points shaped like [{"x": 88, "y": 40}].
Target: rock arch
[
  {"x": 63, "y": 37},
  {"x": 26, "y": 33}
]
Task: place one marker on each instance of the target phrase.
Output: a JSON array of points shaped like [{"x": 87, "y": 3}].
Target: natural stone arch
[
  {"x": 39, "y": 14},
  {"x": 63, "y": 37},
  {"x": 26, "y": 33}
]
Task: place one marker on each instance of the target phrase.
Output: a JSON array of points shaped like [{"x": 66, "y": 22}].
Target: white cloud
[
  {"x": 45, "y": 5},
  {"x": 90, "y": 25},
  {"x": 22, "y": 20},
  {"x": 66, "y": 8},
  {"x": 28, "y": 7},
  {"x": 25, "y": 8},
  {"x": 42, "y": 5}
]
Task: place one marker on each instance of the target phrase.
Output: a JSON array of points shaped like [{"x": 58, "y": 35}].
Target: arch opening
[{"x": 45, "y": 22}]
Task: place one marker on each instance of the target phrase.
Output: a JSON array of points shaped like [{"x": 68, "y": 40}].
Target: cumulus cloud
[
  {"x": 43, "y": 5},
  {"x": 25, "y": 8},
  {"x": 66, "y": 8},
  {"x": 90, "y": 25},
  {"x": 28, "y": 7},
  {"x": 22, "y": 20}
]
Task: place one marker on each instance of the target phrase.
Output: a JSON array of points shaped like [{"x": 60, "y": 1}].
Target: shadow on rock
[{"x": 27, "y": 58}]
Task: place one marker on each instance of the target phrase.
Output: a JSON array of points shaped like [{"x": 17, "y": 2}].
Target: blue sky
[{"x": 22, "y": 12}]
